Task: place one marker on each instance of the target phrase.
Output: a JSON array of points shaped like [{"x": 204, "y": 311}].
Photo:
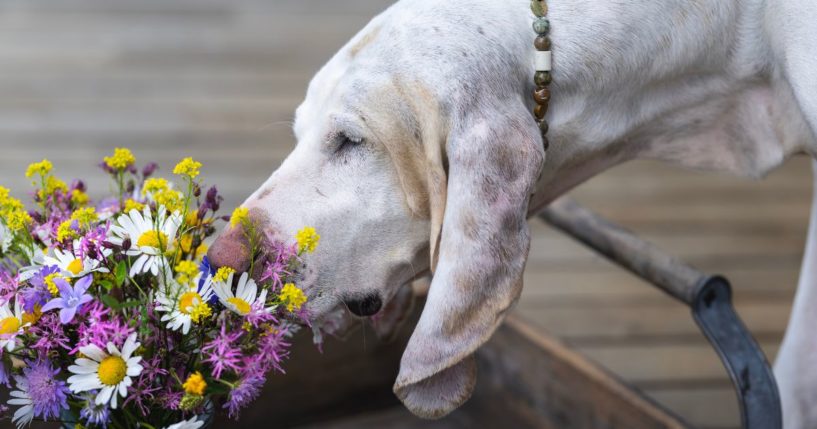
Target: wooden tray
[{"x": 527, "y": 379}]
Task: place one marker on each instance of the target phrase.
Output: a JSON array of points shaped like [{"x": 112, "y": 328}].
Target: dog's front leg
[{"x": 796, "y": 365}]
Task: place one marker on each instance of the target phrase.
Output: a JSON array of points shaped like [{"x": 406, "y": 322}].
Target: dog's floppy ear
[{"x": 494, "y": 161}]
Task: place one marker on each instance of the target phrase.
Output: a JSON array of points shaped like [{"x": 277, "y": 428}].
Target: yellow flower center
[
  {"x": 32, "y": 318},
  {"x": 9, "y": 325},
  {"x": 112, "y": 370},
  {"x": 76, "y": 266},
  {"x": 154, "y": 239},
  {"x": 188, "y": 301},
  {"x": 241, "y": 306}
]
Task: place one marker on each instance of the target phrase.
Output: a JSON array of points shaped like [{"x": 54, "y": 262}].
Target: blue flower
[
  {"x": 70, "y": 299},
  {"x": 38, "y": 293}
]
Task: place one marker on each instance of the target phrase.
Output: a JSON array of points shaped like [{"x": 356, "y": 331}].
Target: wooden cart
[{"x": 528, "y": 379}]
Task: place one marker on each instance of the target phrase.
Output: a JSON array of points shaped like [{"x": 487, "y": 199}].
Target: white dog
[{"x": 417, "y": 150}]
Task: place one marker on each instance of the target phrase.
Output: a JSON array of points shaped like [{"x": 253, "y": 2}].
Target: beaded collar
[{"x": 542, "y": 60}]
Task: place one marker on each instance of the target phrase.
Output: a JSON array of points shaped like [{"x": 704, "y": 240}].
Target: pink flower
[{"x": 221, "y": 353}]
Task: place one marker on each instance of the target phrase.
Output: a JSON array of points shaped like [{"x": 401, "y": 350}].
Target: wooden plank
[
  {"x": 639, "y": 320},
  {"x": 707, "y": 408}
]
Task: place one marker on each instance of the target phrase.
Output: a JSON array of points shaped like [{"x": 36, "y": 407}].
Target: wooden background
[{"x": 219, "y": 80}]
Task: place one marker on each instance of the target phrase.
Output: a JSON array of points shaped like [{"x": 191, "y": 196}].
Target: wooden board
[{"x": 527, "y": 379}]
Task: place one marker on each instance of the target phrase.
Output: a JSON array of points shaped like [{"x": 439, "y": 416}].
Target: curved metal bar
[
  {"x": 744, "y": 360},
  {"x": 709, "y": 297}
]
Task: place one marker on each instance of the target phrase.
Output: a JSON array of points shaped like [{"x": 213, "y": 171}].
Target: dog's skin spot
[
  {"x": 265, "y": 193},
  {"x": 364, "y": 41},
  {"x": 319, "y": 192},
  {"x": 470, "y": 226}
]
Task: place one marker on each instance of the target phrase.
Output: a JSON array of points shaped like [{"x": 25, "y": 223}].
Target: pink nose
[{"x": 231, "y": 249}]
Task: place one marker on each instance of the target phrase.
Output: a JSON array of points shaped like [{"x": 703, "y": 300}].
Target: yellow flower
[
  {"x": 222, "y": 274},
  {"x": 195, "y": 384},
  {"x": 293, "y": 297},
  {"x": 4, "y": 195},
  {"x": 240, "y": 216},
  {"x": 79, "y": 198},
  {"x": 121, "y": 159},
  {"x": 131, "y": 204},
  {"x": 187, "y": 167},
  {"x": 307, "y": 239},
  {"x": 187, "y": 243},
  {"x": 65, "y": 232},
  {"x": 18, "y": 220},
  {"x": 52, "y": 185},
  {"x": 41, "y": 168},
  {"x": 192, "y": 219},
  {"x": 200, "y": 251},
  {"x": 200, "y": 311},
  {"x": 186, "y": 271},
  {"x": 85, "y": 216},
  {"x": 169, "y": 198},
  {"x": 156, "y": 184},
  {"x": 52, "y": 286}
]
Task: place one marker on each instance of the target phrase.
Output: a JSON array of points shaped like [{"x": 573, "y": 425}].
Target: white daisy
[
  {"x": 25, "y": 414},
  {"x": 183, "y": 304},
  {"x": 242, "y": 301},
  {"x": 193, "y": 423},
  {"x": 149, "y": 238},
  {"x": 37, "y": 258},
  {"x": 74, "y": 266},
  {"x": 109, "y": 372},
  {"x": 11, "y": 324},
  {"x": 5, "y": 238}
]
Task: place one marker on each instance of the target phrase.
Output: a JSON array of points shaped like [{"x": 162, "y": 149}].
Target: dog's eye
[{"x": 345, "y": 142}]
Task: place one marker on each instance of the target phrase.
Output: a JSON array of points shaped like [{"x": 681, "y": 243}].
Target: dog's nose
[
  {"x": 231, "y": 249},
  {"x": 365, "y": 306}
]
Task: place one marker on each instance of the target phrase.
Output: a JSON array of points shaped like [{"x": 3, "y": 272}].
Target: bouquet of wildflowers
[{"x": 110, "y": 315}]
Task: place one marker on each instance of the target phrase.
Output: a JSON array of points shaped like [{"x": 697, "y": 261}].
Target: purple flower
[
  {"x": 221, "y": 353},
  {"x": 71, "y": 299},
  {"x": 37, "y": 293},
  {"x": 40, "y": 389},
  {"x": 245, "y": 392},
  {"x": 8, "y": 285},
  {"x": 279, "y": 268},
  {"x": 4, "y": 374},
  {"x": 93, "y": 414}
]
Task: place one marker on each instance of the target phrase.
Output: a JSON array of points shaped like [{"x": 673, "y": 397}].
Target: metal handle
[{"x": 709, "y": 297}]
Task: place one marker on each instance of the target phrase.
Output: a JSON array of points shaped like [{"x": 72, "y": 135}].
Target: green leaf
[
  {"x": 111, "y": 302},
  {"x": 130, "y": 303},
  {"x": 121, "y": 273},
  {"x": 106, "y": 284}
]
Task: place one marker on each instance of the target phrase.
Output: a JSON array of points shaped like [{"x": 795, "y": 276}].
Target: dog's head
[{"x": 403, "y": 168}]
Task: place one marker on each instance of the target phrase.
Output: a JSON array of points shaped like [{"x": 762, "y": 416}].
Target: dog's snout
[
  {"x": 365, "y": 306},
  {"x": 231, "y": 249}
]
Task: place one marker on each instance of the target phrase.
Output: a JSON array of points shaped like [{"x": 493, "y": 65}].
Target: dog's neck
[{"x": 690, "y": 83}]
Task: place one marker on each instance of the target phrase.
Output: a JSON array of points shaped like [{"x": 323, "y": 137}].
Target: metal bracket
[
  {"x": 709, "y": 298},
  {"x": 744, "y": 361}
]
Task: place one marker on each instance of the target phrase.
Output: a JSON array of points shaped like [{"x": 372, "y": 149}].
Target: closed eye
[{"x": 345, "y": 142}]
